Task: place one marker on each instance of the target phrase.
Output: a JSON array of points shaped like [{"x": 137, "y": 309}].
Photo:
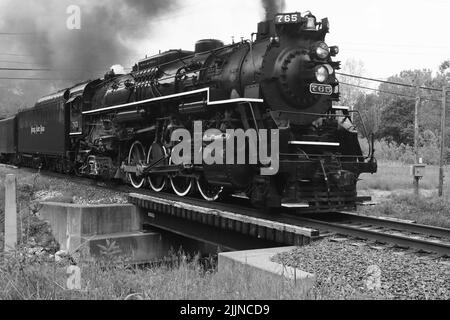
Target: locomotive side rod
[{"x": 141, "y": 169}]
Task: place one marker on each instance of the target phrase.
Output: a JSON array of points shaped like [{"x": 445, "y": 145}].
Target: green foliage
[
  {"x": 367, "y": 105},
  {"x": 391, "y": 151},
  {"x": 443, "y": 68},
  {"x": 397, "y": 122},
  {"x": 110, "y": 249},
  {"x": 349, "y": 94},
  {"x": 391, "y": 116}
]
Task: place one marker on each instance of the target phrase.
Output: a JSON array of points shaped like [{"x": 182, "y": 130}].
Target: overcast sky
[{"x": 387, "y": 35}]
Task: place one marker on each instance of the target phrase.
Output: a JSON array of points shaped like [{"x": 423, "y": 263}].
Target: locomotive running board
[
  {"x": 295, "y": 205},
  {"x": 341, "y": 108},
  {"x": 315, "y": 143},
  {"x": 172, "y": 96}
]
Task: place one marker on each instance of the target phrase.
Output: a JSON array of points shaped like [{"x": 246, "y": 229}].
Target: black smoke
[
  {"x": 107, "y": 28},
  {"x": 272, "y": 7}
]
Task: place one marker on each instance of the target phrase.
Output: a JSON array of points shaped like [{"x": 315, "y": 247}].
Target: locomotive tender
[{"x": 120, "y": 127}]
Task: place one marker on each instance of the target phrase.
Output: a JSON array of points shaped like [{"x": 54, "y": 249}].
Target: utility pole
[
  {"x": 416, "y": 136},
  {"x": 442, "y": 158}
]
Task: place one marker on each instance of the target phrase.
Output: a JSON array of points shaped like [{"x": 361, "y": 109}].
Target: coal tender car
[
  {"x": 8, "y": 139},
  {"x": 42, "y": 133},
  {"x": 283, "y": 78}
]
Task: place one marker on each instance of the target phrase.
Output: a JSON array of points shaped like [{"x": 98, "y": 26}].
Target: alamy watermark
[
  {"x": 73, "y": 22},
  {"x": 74, "y": 278},
  {"x": 225, "y": 147}
]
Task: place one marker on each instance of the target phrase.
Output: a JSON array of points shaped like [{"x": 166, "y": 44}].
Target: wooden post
[
  {"x": 10, "y": 213},
  {"x": 416, "y": 136},
  {"x": 442, "y": 157}
]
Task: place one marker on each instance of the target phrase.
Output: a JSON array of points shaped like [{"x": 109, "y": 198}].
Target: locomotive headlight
[
  {"x": 334, "y": 51},
  {"x": 322, "y": 73},
  {"x": 322, "y": 50}
]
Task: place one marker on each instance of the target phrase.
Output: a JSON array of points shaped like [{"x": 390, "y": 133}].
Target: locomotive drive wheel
[
  {"x": 182, "y": 186},
  {"x": 77, "y": 169},
  {"x": 157, "y": 181},
  {"x": 68, "y": 167},
  {"x": 209, "y": 192},
  {"x": 136, "y": 156}
]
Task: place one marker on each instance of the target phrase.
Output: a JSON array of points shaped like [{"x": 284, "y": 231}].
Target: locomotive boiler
[{"x": 283, "y": 79}]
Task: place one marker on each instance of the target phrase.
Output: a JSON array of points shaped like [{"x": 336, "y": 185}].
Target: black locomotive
[{"x": 120, "y": 127}]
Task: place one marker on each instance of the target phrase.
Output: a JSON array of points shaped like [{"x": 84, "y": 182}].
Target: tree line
[{"x": 388, "y": 111}]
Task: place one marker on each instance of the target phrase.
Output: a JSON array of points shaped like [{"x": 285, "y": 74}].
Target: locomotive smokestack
[{"x": 272, "y": 7}]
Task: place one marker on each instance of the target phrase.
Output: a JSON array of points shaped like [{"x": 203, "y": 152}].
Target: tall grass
[
  {"x": 395, "y": 175},
  {"x": 432, "y": 210},
  {"x": 24, "y": 277}
]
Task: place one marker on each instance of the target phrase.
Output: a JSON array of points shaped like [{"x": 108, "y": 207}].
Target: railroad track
[{"x": 383, "y": 230}]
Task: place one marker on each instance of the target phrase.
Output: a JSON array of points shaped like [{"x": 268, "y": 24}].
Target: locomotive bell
[{"x": 310, "y": 23}]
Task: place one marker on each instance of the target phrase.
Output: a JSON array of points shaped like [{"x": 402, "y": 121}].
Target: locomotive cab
[{"x": 76, "y": 117}]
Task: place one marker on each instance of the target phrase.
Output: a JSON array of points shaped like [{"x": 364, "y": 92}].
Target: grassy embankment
[
  {"x": 392, "y": 187},
  {"x": 35, "y": 278},
  {"x": 32, "y": 273},
  {"x": 25, "y": 276}
]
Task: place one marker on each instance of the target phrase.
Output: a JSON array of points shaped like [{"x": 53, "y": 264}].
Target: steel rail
[
  {"x": 376, "y": 233},
  {"x": 399, "y": 225}
]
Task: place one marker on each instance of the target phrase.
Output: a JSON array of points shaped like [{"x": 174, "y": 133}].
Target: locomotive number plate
[
  {"x": 324, "y": 89},
  {"x": 287, "y": 18}
]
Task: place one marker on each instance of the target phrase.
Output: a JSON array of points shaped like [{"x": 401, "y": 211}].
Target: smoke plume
[
  {"x": 272, "y": 7},
  {"x": 43, "y": 39}
]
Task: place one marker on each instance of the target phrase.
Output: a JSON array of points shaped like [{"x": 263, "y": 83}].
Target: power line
[
  {"x": 18, "y": 62},
  {"x": 18, "y": 33},
  {"x": 378, "y": 90},
  {"x": 37, "y": 79},
  {"x": 390, "y": 45},
  {"x": 15, "y": 55},
  {"x": 391, "y": 53},
  {"x": 54, "y": 70},
  {"x": 23, "y": 69},
  {"x": 388, "y": 82},
  {"x": 388, "y": 92}
]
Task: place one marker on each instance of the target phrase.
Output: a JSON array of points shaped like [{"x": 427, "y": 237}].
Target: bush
[{"x": 390, "y": 151}]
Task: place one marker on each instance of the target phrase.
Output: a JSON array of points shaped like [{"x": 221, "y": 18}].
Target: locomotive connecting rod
[{"x": 144, "y": 169}]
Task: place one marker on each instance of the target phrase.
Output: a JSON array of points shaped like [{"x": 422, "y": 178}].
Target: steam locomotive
[{"x": 121, "y": 126}]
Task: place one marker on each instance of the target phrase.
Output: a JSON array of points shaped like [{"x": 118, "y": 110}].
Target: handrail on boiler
[{"x": 370, "y": 140}]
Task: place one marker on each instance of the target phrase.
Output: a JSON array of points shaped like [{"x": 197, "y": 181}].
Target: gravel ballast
[
  {"x": 42, "y": 187},
  {"x": 347, "y": 269}
]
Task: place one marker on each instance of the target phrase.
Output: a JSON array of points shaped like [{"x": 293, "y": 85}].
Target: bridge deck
[{"x": 190, "y": 215}]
